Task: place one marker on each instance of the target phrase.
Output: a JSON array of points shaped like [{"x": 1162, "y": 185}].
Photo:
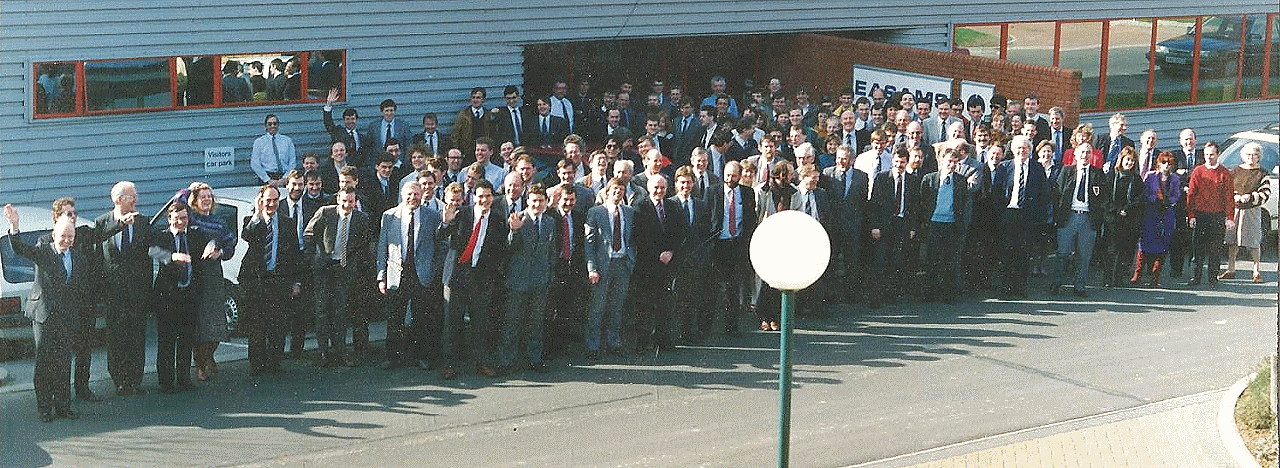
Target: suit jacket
[
  {"x": 884, "y": 201},
  {"x": 558, "y": 128},
  {"x": 1103, "y": 145},
  {"x": 309, "y": 208},
  {"x": 400, "y": 131},
  {"x": 467, "y": 128},
  {"x": 532, "y": 250},
  {"x": 654, "y": 236},
  {"x": 739, "y": 151},
  {"x": 288, "y": 258},
  {"x": 504, "y": 129},
  {"x": 822, "y": 206},
  {"x": 1123, "y": 193},
  {"x": 493, "y": 252},
  {"x": 685, "y": 141},
  {"x": 716, "y": 201},
  {"x": 235, "y": 89},
  {"x": 960, "y": 195},
  {"x": 55, "y": 297},
  {"x": 356, "y": 156},
  {"x": 427, "y": 249},
  {"x": 1064, "y": 190},
  {"x": 599, "y": 236},
  {"x": 850, "y": 207},
  {"x": 577, "y": 238},
  {"x": 443, "y": 141},
  {"x": 321, "y": 239},
  {"x": 933, "y": 128},
  {"x": 170, "y": 273},
  {"x": 1036, "y": 193},
  {"x": 129, "y": 266},
  {"x": 694, "y": 250}
]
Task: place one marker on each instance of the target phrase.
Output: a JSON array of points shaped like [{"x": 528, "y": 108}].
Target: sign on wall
[
  {"x": 923, "y": 87},
  {"x": 221, "y": 159}
]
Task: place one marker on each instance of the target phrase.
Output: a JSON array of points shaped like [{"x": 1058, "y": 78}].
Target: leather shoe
[
  {"x": 85, "y": 394},
  {"x": 46, "y": 416},
  {"x": 67, "y": 413},
  {"x": 123, "y": 390},
  {"x": 1194, "y": 281},
  {"x": 538, "y": 367},
  {"x": 1226, "y": 275},
  {"x": 487, "y": 371}
]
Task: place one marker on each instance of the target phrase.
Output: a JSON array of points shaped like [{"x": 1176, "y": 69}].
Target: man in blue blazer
[{"x": 611, "y": 256}]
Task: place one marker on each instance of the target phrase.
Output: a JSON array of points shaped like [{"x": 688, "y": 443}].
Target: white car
[
  {"x": 18, "y": 272},
  {"x": 232, "y": 205},
  {"x": 1269, "y": 138}
]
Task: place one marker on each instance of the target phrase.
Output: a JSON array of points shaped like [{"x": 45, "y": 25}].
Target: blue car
[{"x": 1220, "y": 47}]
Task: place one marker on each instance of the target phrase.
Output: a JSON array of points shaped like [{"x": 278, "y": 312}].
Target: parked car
[
  {"x": 1269, "y": 138},
  {"x": 1220, "y": 47},
  {"x": 18, "y": 272},
  {"x": 233, "y": 204}
]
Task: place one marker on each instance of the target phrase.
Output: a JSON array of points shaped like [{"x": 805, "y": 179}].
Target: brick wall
[{"x": 824, "y": 64}]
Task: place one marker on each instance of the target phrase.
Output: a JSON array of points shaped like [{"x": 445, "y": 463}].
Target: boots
[
  {"x": 1138, "y": 263},
  {"x": 1157, "y": 264}
]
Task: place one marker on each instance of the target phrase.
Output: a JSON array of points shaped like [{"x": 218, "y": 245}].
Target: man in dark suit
[
  {"x": 472, "y": 122},
  {"x": 357, "y": 145},
  {"x": 479, "y": 235},
  {"x": 567, "y": 298},
  {"x": 408, "y": 260},
  {"x": 543, "y": 129},
  {"x": 692, "y": 273},
  {"x": 894, "y": 222},
  {"x": 380, "y": 187},
  {"x": 533, "y": 243},
  {"x": 848, "y": 188},
  {"x": 300, "y": 208},
  {"x": 177, "y": 250},
  {"x": 688, "y": 132},
  {"x": 659, "y": 231},
  {"x": 743, "y": 144},
  {"x": 703, "y": 177},
  {"x": 430, "y": 137},
  {"x": 1111, "y": 143},
  {"x": 60, "y": 293},
  {"x": 733, "y": 220},
  {"x": 611, "y": 257},
  {"x": 269, "y": 277},
  {"x": 1079, "y": 206},
  {"x": 234, "y": 88},
  {"x": 1021, "y": 194},
  {"x": 1186, "y": 158},
  {"x": 337, "y": 239},
  {"x": 945, "y": 199},
  {"x": 126, "y": 269},
  {"x": 511, "y": 122}
]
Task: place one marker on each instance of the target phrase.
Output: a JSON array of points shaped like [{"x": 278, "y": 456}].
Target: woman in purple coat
[{"x": 1162, "y": 193}]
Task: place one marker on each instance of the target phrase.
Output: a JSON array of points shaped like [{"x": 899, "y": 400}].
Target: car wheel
[{"x": 232, "y": 307}]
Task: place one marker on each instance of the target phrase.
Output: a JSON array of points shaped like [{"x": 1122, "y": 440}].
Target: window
[
  {"x": 1140, "y": 62},
  {"x": 92, "y": 87}
]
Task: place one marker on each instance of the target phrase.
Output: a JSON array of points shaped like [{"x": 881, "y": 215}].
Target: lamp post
[{"x": 789, "y": 251}]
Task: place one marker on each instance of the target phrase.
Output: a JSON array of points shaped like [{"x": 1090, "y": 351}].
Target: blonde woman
[{"x": 212, "y": 319}]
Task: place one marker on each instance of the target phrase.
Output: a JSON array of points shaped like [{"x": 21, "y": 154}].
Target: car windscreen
[
  {"x": 1231, "y": 154},
  {"x": 18, "y": 269}
]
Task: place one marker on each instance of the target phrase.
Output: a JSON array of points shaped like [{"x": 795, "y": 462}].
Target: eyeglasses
[{"x": 273, "y": 124}]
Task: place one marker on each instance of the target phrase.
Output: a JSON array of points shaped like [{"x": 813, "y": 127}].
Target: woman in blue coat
[{"x": 1162, "y": 194}]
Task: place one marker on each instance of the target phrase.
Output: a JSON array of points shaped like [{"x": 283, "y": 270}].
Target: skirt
[
  {"x": 1248, "y": 231},
  {"x": 212, "y": 308}
]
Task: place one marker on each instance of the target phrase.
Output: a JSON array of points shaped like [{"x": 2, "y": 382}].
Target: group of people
[{"x": 576, "y": 220}]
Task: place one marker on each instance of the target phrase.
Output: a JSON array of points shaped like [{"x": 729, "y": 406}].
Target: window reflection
[
  {"x": 1081, "y": 50},
  {"x": 1031, "y": 42},
  {"x": 1128, "y": 63},
  {"x": 195, "y": 81},
  {"x": 55, "y": 90},
  {"x": 127, "y": 84},
  {"x": 980, "y": 41},
  {"x": 1172, "y": 80},
  {"x": 324, "y": 72}
]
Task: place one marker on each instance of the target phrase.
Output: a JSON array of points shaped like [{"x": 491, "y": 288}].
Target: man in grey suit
[
  {"x": 408, "y": 263},
  {"x": 531, "y": 246},
  {"x": 126, "y": 269},
  {"x": 611, "y": 255},
  {"x": 63, "y": 280},
  {"x": 337, "y": 238}
]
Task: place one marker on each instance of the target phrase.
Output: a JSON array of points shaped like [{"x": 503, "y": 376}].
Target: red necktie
[
  {"x": 564, "y": 238},
  {"x": 471, "y": 243}
]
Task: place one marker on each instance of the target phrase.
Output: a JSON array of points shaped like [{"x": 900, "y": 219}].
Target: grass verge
[{"x": 1254, "y": 418}]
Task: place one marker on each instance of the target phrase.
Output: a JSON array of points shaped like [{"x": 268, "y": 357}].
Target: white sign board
[
  {"x": 924, "y": 87},
  {"x": 221, "y": 159},
  {"x": 971, "y": 88}
]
